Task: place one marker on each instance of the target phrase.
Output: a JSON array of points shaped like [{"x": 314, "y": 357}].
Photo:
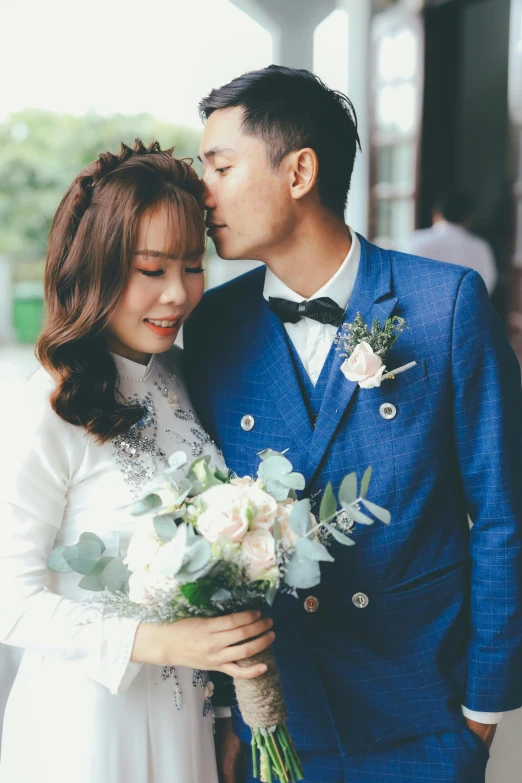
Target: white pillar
[
  {"x": 293, "y": 35},
  {"x": 359, "y": 20}
]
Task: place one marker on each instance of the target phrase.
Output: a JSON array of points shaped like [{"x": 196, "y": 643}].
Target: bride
[{"x": 108, "y": 699}]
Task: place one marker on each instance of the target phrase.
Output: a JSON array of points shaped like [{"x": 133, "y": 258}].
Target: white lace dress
[{"x": 79, "y": 710}]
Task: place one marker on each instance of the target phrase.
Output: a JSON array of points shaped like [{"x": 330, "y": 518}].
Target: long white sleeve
[{"x": 40, "y": 462}]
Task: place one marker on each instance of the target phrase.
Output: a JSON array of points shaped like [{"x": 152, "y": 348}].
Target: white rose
[
  {"x": 244, "y": 481},
  {"x": 138, "y": 592},
  {"x": 364, "y": 367},
  {"x": 225, "y": 514},
  {"x": 143, "y": 546},
  {"x": 169, "y": 498},
  {"x": 258, "y": 553},
  {"x": 167, "y": 561}
]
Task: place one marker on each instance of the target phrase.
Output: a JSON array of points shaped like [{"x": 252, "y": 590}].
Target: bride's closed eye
[{"x": 151, "y": 273}]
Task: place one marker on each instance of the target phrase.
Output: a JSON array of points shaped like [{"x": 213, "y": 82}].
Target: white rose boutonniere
[{"x": 365, "y": 350}]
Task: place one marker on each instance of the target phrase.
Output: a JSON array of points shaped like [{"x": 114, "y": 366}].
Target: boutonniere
[{"x": 365, "y": 350}]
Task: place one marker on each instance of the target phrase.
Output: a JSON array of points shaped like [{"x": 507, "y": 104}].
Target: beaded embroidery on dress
[{"x": 144, "y": 450}]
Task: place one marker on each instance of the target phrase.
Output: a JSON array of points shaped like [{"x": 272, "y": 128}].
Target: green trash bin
[{"x": 28, "y": 311}]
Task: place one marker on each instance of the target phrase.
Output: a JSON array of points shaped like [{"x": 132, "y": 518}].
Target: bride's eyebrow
[
  {"x": 192, "y": 256},
  {"x": 154, "y": 254}
]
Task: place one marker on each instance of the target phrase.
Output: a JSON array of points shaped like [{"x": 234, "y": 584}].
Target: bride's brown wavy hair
[{"x": 88, "y": 265}]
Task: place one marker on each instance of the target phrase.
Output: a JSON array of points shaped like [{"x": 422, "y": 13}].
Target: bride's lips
[{"x": 164, "y": 331}]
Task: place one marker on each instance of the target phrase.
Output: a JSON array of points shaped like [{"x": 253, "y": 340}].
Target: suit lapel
[
  {"x": 372, "y": 297},
  {"x": 271, "y": 362}
]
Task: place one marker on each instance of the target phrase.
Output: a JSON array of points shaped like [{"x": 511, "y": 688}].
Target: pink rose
[
  {"x": 258, "y": 553},
  {"x": 288, "y": 537},
  {"x": 225, "y": 514},
  {"x": 364, "y": 367},
  {"x": 264, "y": 508}
]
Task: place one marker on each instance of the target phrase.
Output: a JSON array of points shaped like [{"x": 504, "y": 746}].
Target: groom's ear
[{"x": 303, "y": 172}]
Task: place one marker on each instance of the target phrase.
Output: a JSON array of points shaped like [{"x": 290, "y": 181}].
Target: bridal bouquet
[{"x": 209, "y": 544}]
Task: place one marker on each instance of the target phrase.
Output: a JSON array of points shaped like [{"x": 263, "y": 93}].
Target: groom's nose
[{"x": 209, "y": 202}]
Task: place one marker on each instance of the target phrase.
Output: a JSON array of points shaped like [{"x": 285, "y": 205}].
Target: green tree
[{"x": 41, "y": 152}]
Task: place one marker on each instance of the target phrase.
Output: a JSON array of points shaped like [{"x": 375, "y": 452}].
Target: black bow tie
[{"x": 324, "y": 310}]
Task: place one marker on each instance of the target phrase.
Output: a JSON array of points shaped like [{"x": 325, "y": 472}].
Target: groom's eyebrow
[{"x": 211, "y": 153}]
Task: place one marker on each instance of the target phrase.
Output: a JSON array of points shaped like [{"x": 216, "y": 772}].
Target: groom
[{"x": 398, "y": 666}]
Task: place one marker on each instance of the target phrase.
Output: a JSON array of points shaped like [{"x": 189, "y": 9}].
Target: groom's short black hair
[{"x": 291, "y": 109}]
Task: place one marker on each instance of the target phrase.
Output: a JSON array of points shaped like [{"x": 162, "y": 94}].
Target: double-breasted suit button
[
  {"x": 247, "y": 423},
  {"x": 388, "y": 411},
  {"x": 311, "y": 604},
  {"x": 360, "y": 600}
]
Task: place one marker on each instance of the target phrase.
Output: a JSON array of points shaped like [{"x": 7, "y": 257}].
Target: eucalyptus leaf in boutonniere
[{"x": 365, "y": 350}]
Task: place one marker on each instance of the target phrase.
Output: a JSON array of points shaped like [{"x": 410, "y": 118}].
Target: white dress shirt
[
  {"x": 454, "y": 244},
  {"x": 313, "y": 340}
]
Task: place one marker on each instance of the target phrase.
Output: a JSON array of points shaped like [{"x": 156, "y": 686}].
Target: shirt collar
[{"x": 338, "y": 288}]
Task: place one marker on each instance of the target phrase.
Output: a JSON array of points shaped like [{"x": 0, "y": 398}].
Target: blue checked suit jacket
[{"x": 443, "y": 626}]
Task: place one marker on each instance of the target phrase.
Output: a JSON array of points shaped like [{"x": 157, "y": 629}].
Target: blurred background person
[{"x": 450, "y": 238}]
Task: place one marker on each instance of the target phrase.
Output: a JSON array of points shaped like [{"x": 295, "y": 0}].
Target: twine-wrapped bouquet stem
[{"x": 263, "y": 708}]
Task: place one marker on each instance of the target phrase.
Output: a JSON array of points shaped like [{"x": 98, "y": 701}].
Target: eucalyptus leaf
[
  {"x": 382, "y": 514},
  {"x": 313, "y": 550},
  {"x": 93, "y": 537},
  {"x": 146, "y": 505},
  {"x": 277, "y": 490},
  {"x": 356, "y": 515},
  {"x": 90, "y": 548},
  {"x": 299, "y": 519},
  {"x": 115, "y": 575},
  {"x": 273, "y": 467},
  {"x": 100, "y": 566},
  {"x": 199, "y": 555},
  {"x": 186, "y": 575},
  {"x": 328, "y": 505},
  {"x": 165, "y": 527},
  {"x": 293, "y": 480},
  {"x": 177, "y": 460},
  {"x": 340, "y": 537},
  {"x": 276, "y": 531},
  {"x": 57, "y": 562},
  {"x": 348, "y": 489},
  {"x": 92, "y": 583},
  {"x": 365, "y": 481},
  {"x": 82, "y": 557},
  {"x": 267, "y": 453},
  {"x": 271, "y": 594},
  {"x": 221, "y": 595},
  {"x": 301, "y": 572}
]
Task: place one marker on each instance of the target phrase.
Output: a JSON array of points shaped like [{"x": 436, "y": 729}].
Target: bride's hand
[{"x": 214, "y": 643}]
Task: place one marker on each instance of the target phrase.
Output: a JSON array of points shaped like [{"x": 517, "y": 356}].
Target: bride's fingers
[
  {"x": 229, "y": 622},
  {"x": 243, "y": 672},
  {"x": 228, "y": 638},
  {"x": 240, "y": 651}
]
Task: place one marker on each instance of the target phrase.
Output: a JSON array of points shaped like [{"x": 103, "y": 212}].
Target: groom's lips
[{"x": 212, "y": 228}]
